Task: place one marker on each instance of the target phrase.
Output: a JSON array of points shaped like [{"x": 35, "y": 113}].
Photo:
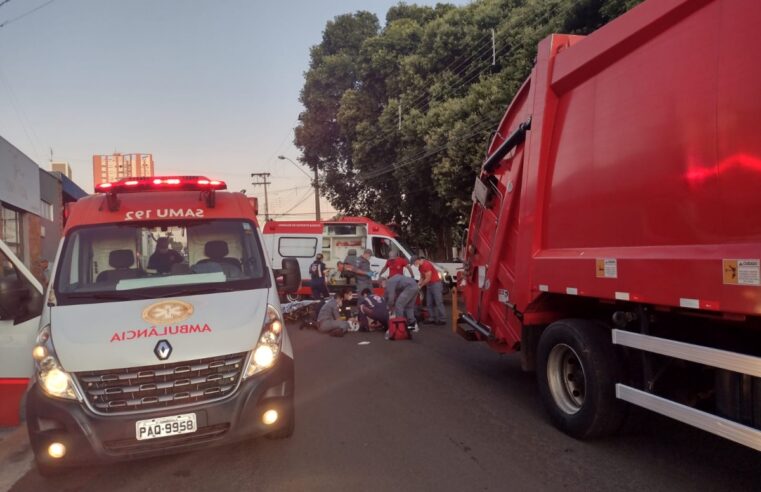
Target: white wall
[{"x": 19, "y": 179}]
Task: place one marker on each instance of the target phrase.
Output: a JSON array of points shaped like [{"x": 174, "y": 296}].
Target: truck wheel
[
  {"x": 287, "y": 429},
  {"x": 577, "y": 371}
]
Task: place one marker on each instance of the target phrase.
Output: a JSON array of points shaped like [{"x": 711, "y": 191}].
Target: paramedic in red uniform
[
  {"x": 396, "y": 265},
  {"x": 429, "y": 277}
]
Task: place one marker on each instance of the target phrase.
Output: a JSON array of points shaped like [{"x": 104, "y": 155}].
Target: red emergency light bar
[{"x": 162, "y": 183}]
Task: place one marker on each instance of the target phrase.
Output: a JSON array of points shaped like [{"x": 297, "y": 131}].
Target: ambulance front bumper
[{"x": 91, "y": 437}]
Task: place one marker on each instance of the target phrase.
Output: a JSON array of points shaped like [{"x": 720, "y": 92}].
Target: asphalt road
[{"x": 434, "y": 413}]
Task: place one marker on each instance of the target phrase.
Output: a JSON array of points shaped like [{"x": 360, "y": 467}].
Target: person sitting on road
[
  {"x": 396, "y": 265},
  {"x": 329, "y": 319},
  {"x": 373, "y": 312},
  {"x": 163, "y": 258}
]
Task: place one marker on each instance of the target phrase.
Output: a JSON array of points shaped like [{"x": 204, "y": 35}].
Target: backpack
[{"x": 397, "y": 329}]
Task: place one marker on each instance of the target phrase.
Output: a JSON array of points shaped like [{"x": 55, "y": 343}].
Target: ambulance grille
[{"x": 162, "y": 386}]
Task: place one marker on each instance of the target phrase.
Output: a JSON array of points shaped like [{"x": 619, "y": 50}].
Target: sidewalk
[{"x": 15, "y": 455}]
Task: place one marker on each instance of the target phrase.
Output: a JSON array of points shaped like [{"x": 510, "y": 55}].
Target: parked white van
[{"x": 20, "y": 308}]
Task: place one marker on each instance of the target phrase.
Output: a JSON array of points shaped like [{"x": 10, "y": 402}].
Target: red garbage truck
[{"x": 615, "y": 236}]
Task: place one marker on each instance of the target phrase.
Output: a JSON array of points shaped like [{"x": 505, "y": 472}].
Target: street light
[{"x": 316, "y": 185}]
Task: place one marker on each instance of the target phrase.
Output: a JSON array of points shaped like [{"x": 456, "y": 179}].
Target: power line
[
  {"x": 480, "y": 127},
  {"x": 296, "y": 205},
  {"x": 295, "y": 188},
  {"x": 449, "y": 88},
  {"x": 28, "y": 12},
  {"x": 4, "y": 2},
  {"x": 386, "y": 137},
  {"x": 26, "y": 125},
  {"x": 458, "y": 68},
  {"x": 395, "y": 165}
]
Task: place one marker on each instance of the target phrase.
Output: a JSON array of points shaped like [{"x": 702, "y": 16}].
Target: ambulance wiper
[
  {"x": 99, "y": 295},
  {"x": 197, "y": 291}
]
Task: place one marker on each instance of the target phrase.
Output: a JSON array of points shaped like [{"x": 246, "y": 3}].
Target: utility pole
[
  {"x": 493, "y": 48},
  {"x": 316, "y": 195},
  {"x": 263, "y": 182},
  {"x": 316, "y": 185}
]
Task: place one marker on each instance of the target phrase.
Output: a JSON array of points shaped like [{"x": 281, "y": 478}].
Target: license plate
[{"x": 165, "y": 426}]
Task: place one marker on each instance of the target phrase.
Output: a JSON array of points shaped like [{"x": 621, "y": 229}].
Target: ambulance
[
  {"x": 335, "y": 239},
  {"x": 162, "y": 330}
]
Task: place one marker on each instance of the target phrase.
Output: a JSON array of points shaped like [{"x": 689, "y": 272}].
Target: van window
[
  {"x": 297, "y": 247},
  {"x": 143, "y": 260},
  {"x": 382, "y": 246}
]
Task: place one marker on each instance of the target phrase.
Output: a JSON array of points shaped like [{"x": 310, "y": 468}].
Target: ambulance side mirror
[{"x": 291, "y": 275}]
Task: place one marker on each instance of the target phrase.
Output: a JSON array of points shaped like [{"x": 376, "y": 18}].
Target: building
[
  {"x": 56, "y": 190},
  {"x": 107, "y": 168},
  {"x": 19, "y": 200},
  {"x": 31, "y": 206},
  {"x": 61, "y": 167}
]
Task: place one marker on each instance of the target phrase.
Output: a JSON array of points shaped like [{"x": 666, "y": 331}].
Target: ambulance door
[
  {"x": 302, "y": 247},
  {"x": 20, "y": 308}
]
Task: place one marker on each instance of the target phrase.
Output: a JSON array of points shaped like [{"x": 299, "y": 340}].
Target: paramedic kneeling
[
  {"x": 329, "y": 318},
  {"x": 373, "y": 312}
]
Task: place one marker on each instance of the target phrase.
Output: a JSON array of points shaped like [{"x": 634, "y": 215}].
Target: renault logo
[{"x": 163, "y": 350}]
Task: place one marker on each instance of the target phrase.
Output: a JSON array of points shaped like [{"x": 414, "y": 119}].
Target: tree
[{"x": 433, "y": 66}]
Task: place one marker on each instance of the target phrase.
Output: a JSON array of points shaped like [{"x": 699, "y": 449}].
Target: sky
[{"x": 208, "y": 87}]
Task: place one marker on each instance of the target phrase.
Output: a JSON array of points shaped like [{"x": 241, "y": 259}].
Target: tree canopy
[{"x": 397, "y": 118}]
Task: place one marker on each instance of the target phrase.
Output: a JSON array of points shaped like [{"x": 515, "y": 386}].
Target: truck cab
[
  {"x": 162, "y": 328},
  {"x": 20, "y": 308}
]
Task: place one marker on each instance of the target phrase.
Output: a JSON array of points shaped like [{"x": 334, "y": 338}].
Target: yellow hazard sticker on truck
[
  {"x": 606, "y": 268},
  {"x": 742, "y": 272}
]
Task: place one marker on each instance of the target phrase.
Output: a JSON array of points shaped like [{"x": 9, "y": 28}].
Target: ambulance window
[
  {"x": 380, "y": 247},
  {"x": 297, "y": 247},
  {"x": 182, "y": 256}
]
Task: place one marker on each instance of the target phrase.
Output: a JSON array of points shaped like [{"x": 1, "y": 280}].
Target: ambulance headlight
[
  {"x": 53, "y": 379},
  {"x": 267, "y": 349}
]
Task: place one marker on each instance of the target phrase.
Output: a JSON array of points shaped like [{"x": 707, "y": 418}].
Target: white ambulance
[
  {"x": 334, "y": 239},
  {"x": 162, "y": 330}
]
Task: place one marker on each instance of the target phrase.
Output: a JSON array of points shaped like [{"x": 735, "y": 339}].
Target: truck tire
[{"x": 577, "y": 370}]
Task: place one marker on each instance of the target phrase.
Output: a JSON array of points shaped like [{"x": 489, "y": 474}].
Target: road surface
[{"x": 435, "y": 413}]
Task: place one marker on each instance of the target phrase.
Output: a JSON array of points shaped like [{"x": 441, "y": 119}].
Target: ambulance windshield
[{"x": 143, "y": 260}]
